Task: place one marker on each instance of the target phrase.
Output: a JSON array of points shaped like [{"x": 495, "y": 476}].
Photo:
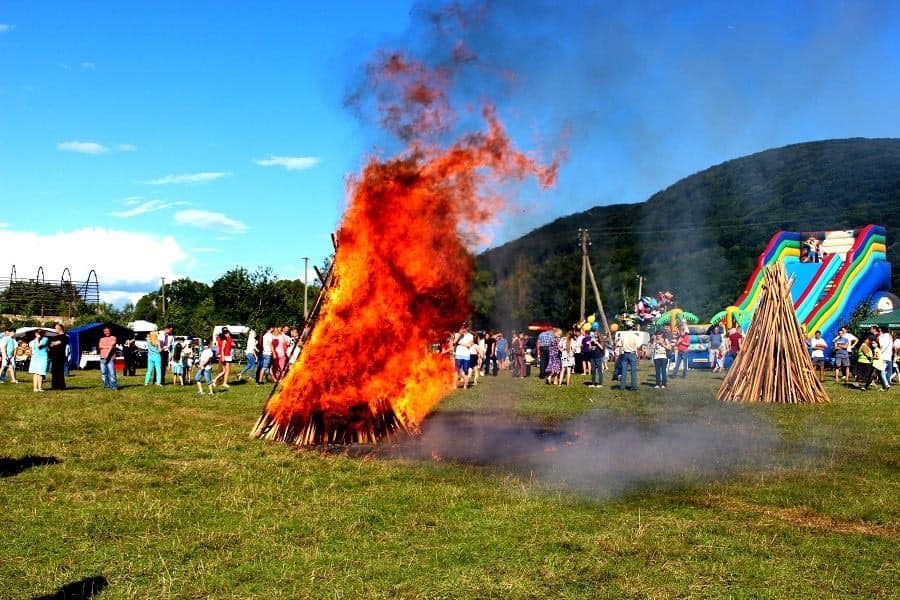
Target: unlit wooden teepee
[{"x": 773, "y": 364}]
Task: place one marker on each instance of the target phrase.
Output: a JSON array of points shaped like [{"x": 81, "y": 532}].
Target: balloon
[
  {"x": 586, "y": 327},
  {"x": 591, "y": 318},
  {"x": 614, "y": 327},
  {"x": 595, "y": 326}
]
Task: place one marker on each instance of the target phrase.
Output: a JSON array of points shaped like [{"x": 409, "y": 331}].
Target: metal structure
[{"x": 38, "y": 297}]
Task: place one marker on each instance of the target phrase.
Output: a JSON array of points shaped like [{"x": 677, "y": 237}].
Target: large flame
[{"x": 402, "y": 269}]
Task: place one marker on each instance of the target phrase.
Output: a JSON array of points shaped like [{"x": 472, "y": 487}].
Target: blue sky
[{"x": 182, "y": 139}]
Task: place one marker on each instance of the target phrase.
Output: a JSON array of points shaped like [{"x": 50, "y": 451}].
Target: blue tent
[{"x": 86, "y": 337}]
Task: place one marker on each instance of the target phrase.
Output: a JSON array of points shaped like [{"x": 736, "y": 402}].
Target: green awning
[{"x": 889, "y": 320}]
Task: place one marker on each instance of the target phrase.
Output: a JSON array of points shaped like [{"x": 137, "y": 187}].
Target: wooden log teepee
[{"x": 773, "y": 364}]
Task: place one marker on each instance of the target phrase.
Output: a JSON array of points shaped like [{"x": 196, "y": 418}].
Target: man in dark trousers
[
  {"x": 545, "y": 338},
  {"x": 490, "y": 354},
  {"x": 165, "y": 343}
]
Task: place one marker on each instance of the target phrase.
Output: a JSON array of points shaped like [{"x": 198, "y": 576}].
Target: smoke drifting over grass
[{"x": 603, "y": 454}]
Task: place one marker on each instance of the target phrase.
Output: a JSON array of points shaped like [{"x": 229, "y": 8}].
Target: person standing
[
  {"x": 130, "y": 358},
  {"x": 554, "y": 359},
  {"x": 630, "y": 344},
  {"x": 886, "y": 346},
  {"x": 735, "y": 339},
  {"x": 715, "y": 345},
  {"x": 204, "y": 369},
  {"x": 502, "y": 349},
  {"x": 8, "y": 356},
  {"x": 226, "y": 357},
  {"x": 842, "y": 348},
  {"x": 864, "y": 362},
  {"x": 682, "y": 357},
  {"x": 597, "y": 351},
  {"x": 544, "y": 339},
  {"x": 250, "y": 356},
  {"x": 166, "y": 341},
  {"x": 154, "y": 358},
  {"x": 58, "y": 358},
  {"x": 567, "y": 347},
  {"x": 461, "y": 353},
  {"x": 38, "y": 365},
  {"x": 107, "y": 346},
  {"x": 517, "y": 352},
  {"x": 817, "y": 347},
  {"x": 660, "y": 353}
]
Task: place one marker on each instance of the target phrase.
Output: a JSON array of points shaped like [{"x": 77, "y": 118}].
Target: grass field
[{"x": 160, "y": 492}]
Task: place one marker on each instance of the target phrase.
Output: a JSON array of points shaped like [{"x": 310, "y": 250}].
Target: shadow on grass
[
  {"x": 82, "y": 589},
  {"x": 13, "y": 466}
]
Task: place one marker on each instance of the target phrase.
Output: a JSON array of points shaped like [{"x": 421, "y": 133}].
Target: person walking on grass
[
  {"x": 265, "y": 363},
  {"x": 817, "y": 347},
  {"x": 869, "y": 356},
  {"x": 154, "y": 359},
  {"x": 630, "y": 343},
  {"x": 554, "y": 358},
  {"x": 683, "y": 348},
  {"x": 715, "y": 347},
  {"x": 58, "y": 358},
  {"x": 107, "y": 347},
  {"x": 38, "y": 366},
  {"x": 597, "y": 351},
  {"x": 660, "y": 353},
  {"x": 204, "y": 370},
  {"x": 226, "y": 357},
  {"x": 250, "y": 355},
  {"x": 8, "y": 356}
]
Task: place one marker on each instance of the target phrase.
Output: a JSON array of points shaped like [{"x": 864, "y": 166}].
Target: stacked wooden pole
[{"x": 773, "y": 364}]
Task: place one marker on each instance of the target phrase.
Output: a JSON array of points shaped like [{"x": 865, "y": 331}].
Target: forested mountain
[{"x": 699, "y": 238}]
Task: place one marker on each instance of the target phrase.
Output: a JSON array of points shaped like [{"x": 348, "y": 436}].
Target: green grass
[{"x": 162, "y": 492}]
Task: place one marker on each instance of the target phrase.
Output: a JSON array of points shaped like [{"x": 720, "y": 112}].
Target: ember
[{"x": 401, "y": 274}]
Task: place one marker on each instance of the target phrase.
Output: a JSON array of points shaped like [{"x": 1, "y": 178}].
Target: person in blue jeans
[
  {"x": 597, "y": 351},
  {"x": 660, "y": 354},
  {"x": 630, "y": 342},
  {"x": 107, "y": 347},
  {"x": 683, "y": 347}
]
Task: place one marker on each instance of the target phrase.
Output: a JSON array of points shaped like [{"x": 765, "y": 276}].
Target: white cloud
[
  {"x": 132, "y": 200},
  {"x": 188, "y": 178},
  {"x": 88, "y": 66},
  {"x": 82, "y": 147},
  {"x": 124, "y": 260},
  {"x": 4, "y": 27},
  {"x": 206, "y": 219},
  {"x": 144, "y": 207},
  {"x": 4, "y": 225},
  {"x": 291, "y": 163},
  {"x": 127, "y": 148},
  {"x": 119, "y": 298}
]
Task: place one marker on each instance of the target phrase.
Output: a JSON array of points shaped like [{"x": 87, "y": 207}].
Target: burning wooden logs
[{"x": 773, "y": 364}]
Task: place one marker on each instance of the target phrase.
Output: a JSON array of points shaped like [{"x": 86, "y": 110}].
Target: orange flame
[{"x": 402, "y": 268}]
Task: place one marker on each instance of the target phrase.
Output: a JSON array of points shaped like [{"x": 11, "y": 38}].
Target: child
[
  {"x": 204, "y": 369},
  {"x": 178, "y": 365}
]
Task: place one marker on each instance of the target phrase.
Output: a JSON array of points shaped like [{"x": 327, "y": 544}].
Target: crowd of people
[
  {"x": 266, "y": 358},
  {"x": 877, "y": 357}
]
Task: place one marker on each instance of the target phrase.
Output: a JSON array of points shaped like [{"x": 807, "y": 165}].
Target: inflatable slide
[{"x": 832, "y": 271}]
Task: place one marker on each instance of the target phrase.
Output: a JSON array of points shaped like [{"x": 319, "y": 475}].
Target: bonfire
[{"x": 401, "y": 273}]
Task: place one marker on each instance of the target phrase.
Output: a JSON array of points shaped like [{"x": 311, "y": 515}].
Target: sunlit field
[{"x": 160, "y": 492}]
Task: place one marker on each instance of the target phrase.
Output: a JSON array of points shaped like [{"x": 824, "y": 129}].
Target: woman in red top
[{"x": 225, "y": 345}]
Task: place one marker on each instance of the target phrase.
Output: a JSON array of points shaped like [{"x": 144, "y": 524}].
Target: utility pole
[
  {"x": 586, "y": 270},
  {"x": 305, "y": 283},
  {"x": 582, "y": 240},
  {"x": 640, "y": 287},
  {"x": 163, "y": 279}
]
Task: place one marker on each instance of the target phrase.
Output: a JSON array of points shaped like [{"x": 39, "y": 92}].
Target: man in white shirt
[
  {"x": 204, "y": 370},
  {"x": 817, "y": 347},
  {"x": 265, "y": 363},
  {"x": 461, "y": 354},
  {"x": 630, "y": 342},
  {"x": 886, "y": 345}
]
